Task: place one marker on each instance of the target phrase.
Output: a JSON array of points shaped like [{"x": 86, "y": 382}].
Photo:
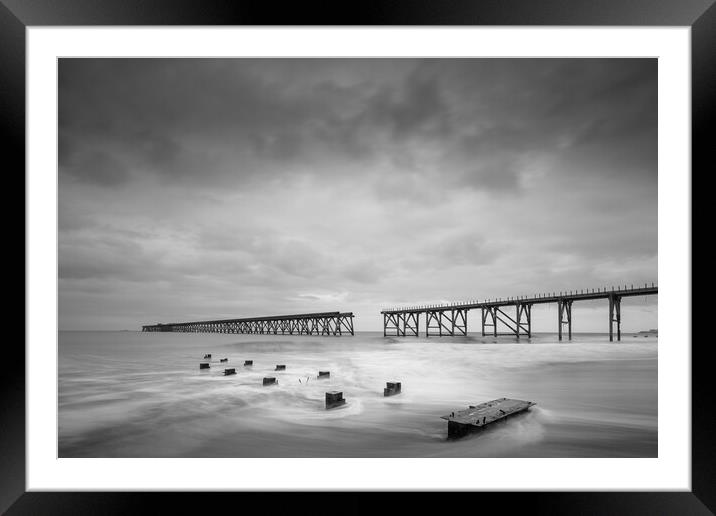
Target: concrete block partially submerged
[
  {"x": 208, "y": 355},
  {"x": 229, "y": 371},
  {"x": 324, "y": 374},
  {"x": 204, "y": 365},
  {"x": 224, "y": 360},
  {"x": 248, "y": 362},
  {"x": 334, "y": 399},
  {"x": 270, "y": 380},
  {"x": 280, "y": 367},
  {"x": 476, "y": 417},
  {"x": 391, "y": 388}
]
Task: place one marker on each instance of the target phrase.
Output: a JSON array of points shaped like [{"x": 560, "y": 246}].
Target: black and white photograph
[{"x": 357, "y": 257}]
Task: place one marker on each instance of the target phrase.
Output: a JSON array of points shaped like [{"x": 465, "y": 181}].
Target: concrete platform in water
[{"x": 476, "y": 417}]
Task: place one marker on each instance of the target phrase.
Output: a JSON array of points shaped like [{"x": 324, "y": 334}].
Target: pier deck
[{"x": 463, "y": 422}]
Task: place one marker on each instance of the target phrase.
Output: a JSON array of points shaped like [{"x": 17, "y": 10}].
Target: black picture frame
[{"x": 17, "y": 15}]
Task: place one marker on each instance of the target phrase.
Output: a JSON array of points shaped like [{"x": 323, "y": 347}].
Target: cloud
[
  {"x": 95, "y": 166},
  {"x": 196, "y": 121},
  {"x": 191, "y": 187}
]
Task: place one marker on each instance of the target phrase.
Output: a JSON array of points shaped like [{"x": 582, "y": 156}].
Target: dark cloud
[
  {"x": 96, "y": 166},
  {"x": 188, "y": 119}
]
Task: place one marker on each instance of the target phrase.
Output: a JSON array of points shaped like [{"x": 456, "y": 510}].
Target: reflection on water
[{"x": 129, "y": 394}]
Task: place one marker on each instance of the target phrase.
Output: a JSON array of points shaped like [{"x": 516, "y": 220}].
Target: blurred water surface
[{"x": 133, "y": 394}]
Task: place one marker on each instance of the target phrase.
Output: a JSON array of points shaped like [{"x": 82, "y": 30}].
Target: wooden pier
[
  {"x": 476, "y": 417},
  {"x": 324, "y": 323},
  {"x": 451, "y": 319}
]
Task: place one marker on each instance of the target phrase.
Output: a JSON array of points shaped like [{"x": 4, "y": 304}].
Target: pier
[
  {"x": 451, "y": 319},
  {"x": 324, "y": 323}
]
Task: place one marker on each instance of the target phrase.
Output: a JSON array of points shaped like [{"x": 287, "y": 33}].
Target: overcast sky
[{"x": 204, "y": 189}]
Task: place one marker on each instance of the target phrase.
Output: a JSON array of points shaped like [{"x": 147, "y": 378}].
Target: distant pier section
[
  {"x": 451, "y": 319},
  {"x": 324, "y": 323}
]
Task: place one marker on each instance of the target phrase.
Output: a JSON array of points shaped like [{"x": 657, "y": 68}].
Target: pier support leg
[
  {"x": 494, "y": 321},
  {"x": 490, "y": 312},
  {"x": 391, "y": 322},
  {"x": 615, "y": 316},
  {"x": 459, "y": 322},
  {"x": 524, "y": 313},
  {"x": 529, "y": 321},
  {"x": 411, "y": 324},
  {"x": 347, "y": 322},
  {"x": 559, "y": 319},
  {"x": 432, "y": 321},
  {"x": 564, "y": 308}
]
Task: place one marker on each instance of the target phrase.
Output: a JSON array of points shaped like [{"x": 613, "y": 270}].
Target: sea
[{"x": 134, "y": 394}]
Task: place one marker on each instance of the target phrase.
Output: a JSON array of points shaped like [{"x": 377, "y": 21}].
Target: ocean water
[{"x": 133, "y": 394}]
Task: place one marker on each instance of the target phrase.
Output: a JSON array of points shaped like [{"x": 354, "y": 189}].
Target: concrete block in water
[
  {"x": 229, "y": 371},
  {"x": 324, "y": 374},
  {"x": 391, "y": 388},
  {"x": 280, "y": 367},
  {"x": 248, "y": 362},
  {"x": 462, "y": 422},
  {"x": 224, "y": 360},
  {"x": 334, "y": 399},
  {"x": 204, "y": 365},
  {"x": 208, "y": 355},
  {"x": 270, "y": 380}
]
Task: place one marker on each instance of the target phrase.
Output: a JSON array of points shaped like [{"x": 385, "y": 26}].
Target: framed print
[{"x": 406, "y": 251}]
